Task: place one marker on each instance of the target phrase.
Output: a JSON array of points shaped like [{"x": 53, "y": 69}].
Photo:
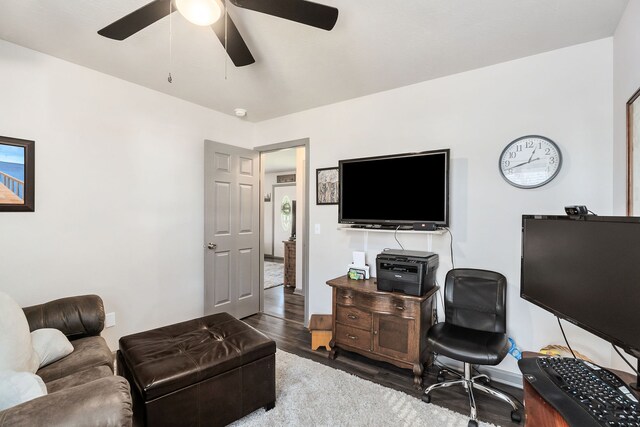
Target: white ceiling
[
  {"x": 280, "y": 160},
  {"x": 376, "y": 45}
]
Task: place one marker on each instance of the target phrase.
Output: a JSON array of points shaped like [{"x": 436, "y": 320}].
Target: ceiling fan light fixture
[{"x": 199, "y": 12}]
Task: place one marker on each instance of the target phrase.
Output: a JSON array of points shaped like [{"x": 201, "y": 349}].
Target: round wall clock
[{"x": 530, "y": 161}]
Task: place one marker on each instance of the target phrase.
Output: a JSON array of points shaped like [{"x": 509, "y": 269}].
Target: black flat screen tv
[
  {"x": 586, "y": 270},
  {"x": 395, "y": 190}
]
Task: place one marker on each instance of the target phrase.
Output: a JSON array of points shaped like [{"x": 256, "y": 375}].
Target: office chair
[{"x": 474, "y": 332}]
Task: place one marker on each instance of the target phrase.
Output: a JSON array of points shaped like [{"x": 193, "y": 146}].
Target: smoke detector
[{"x": 240, "y": 112}]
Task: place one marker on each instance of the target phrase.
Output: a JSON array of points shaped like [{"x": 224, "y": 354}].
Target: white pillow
[
  {"x": 50, "y": 345},
  {"x": 16, "y": 352},
  {"x": 19, "y": 387}
]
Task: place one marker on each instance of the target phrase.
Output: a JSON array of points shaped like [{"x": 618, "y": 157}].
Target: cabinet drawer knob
[
  {"x": 400, "y": 307},
  {"x": 348, "y": 296},
  {"x": 352, "y": 316},
  {"x": 352, "y": 337}
]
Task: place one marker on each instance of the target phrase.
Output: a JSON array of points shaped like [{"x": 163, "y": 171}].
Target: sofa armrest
[
  {"x": 77, "y": 317},
  {"x": 104, "y": 402}
]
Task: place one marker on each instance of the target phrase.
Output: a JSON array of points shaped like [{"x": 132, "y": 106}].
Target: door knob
[{"x": 212, "y": 246}]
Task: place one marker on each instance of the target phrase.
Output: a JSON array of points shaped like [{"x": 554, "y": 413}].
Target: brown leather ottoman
[{"x": 204, "y": 372}]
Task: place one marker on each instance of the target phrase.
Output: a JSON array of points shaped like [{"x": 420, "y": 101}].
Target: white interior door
[
  {"x": 231, "y": 230},
  {"x": 283, "y": 195}
]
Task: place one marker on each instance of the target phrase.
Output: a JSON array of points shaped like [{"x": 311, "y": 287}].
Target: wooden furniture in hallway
[
  {"x": 290, "y": 263},
  {"x": 387, "y": 326}
]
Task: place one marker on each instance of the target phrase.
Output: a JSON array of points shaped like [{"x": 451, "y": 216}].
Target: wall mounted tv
[
  {"x": 395, "y": 190},
  {"x": 585, "y": 269}
]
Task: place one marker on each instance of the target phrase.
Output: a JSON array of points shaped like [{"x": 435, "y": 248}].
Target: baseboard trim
[{"x": 498, "y": 375}]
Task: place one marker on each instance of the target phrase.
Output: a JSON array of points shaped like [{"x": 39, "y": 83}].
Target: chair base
[{"x": 470, "y": 384}]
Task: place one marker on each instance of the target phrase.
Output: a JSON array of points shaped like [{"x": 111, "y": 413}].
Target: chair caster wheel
[
  {"x": 426, "y": 398},
  {"x": 516, "y": 417},
  {"x": 473, "y": 423}
]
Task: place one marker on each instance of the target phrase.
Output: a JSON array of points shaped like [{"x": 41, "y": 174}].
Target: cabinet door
[
  {"x": 395, "y": 336},
  {"x": 353, "y": 337}
]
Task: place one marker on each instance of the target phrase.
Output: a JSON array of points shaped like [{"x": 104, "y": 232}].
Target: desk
[{"x": 538, "y": 413}]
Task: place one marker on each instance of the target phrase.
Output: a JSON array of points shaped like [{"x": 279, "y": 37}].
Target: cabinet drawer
[
  {"x": 353, "y": 316},
  {"x": 353, "y": 337},
  {"x": 399, "y": 306},
  {"x": 379, "y": 303},
  {"x": 346, "y": 297}
]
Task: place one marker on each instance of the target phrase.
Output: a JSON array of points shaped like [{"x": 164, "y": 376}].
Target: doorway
[{"x": 284, "y": 210}]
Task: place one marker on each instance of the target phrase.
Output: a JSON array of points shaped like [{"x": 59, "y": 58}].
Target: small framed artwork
[
  {"x": 633, "y": 155},
  {"x": 17, "y": 184},
  {"x": 286, "y": 178},
  {"x": 327, "y": 186}
]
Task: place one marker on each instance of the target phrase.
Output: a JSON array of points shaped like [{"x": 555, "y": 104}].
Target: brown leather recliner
[{"x": 81, "y": 387}]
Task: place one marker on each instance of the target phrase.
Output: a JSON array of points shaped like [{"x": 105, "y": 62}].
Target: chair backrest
[{"x": 476, "y": 299}]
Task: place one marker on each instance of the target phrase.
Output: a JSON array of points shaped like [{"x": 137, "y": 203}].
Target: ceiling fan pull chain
[
  {"x": 226, "y": 57},
  {"x": 170, "y": 79}
]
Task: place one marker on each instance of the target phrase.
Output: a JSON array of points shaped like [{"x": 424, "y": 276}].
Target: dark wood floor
[
  {"x": 294, "y": 338},
  {"x": 280, "y": 301}
]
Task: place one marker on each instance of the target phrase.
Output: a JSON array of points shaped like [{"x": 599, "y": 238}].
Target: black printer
[{"x": 410, "y": 272}]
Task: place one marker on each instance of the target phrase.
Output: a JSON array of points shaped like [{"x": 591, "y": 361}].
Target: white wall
[
  {"x": 119, "y": 175},
  {"x": 119, "y": 191},
  {"x": 269, "y": 180},
  {"x": 626, "y": 81},
  {"x": 565, "y": 95}
]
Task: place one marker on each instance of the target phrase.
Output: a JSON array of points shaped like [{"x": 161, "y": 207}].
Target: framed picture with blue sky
[{"x": 17, "y": 173}]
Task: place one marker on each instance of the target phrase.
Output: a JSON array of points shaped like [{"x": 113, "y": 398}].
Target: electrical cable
[
  {"x": 625, "y": 359},
  {"x": 592, "y": 213},
  {"x": 395, "y": 236},
  {"x": 565, "y": 338},
  {"x": 170, "y": 79},
  {"x": 450, "y": 246}
]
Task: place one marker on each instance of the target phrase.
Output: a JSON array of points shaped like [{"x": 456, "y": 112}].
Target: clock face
[{"x": 530, "y": 161}]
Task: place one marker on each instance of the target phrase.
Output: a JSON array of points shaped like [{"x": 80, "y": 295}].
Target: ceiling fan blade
[
  {"x": 137, "y": 20},
  {"x": 304, "y": 12},
  {"x": 236, "y": 47}
]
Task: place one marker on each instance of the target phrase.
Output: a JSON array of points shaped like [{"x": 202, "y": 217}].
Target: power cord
[
  {"x": 565, "y": 338},
  {"x": 395, "y": 236},
  {"x": 450, "y": 245},
  {"x": 625, "y": 359}
]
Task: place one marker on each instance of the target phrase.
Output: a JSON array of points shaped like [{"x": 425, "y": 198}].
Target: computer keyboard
[{"x": 583, "y": 393}]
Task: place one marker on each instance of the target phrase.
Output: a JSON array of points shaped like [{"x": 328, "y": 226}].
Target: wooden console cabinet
[
  {"x": 290, "y": 263},
  {"x": 386, "y": 326}
]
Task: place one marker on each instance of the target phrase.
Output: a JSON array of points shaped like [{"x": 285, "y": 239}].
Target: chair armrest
[
  {"x": 105, "y": 402},
  {"x": 77, "y": 317}
]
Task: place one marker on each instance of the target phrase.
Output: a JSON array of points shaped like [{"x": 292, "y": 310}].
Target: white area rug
[
  {"x": 273, "y": 274},
  {"x": 311, "y": 394}
]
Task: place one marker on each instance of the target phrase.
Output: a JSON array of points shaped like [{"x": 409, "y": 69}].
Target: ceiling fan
[{"x": 302, "y": 11}]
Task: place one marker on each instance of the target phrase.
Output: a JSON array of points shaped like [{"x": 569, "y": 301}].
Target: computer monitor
[{"x": 586, "y": 270}]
